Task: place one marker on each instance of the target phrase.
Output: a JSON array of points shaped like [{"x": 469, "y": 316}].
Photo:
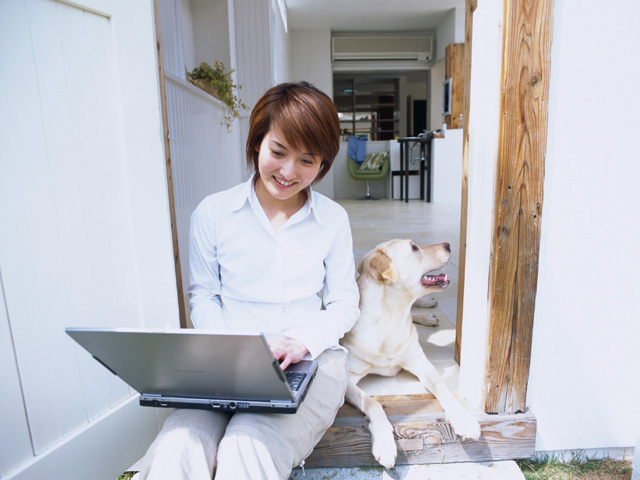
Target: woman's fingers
[{"x": 287, "y": 350}]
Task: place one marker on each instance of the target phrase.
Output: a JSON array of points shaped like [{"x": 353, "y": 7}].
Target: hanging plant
[{"x": 217, "y": 82}]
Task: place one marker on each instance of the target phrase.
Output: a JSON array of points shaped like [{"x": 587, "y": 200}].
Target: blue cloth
[{"x": 357, "y": 148}]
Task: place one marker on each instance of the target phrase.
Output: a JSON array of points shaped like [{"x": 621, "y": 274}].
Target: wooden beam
[
  {"x": 470, "y": 7},
  {"x": 423, "y": 436},
  {"x": 515, "y": 244},
  {"x": 454, "y": 69},
  {"x": 167, "y": 155}
]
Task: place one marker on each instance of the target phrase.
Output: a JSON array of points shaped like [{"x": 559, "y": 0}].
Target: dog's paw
[
  {"x": 466, "y": 426},
  {"x": 426, "y": 319},
  {"x": 426, "y": 302},
  {"x": 384, "y": 450}
]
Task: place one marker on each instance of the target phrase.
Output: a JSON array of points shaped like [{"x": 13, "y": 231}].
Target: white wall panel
[
  {"x": 205, "y": 158},
  {"x": 75, "y": 253},
  {"x": 583, "y": 385},
  {"x": 484, "y": 123},
  {"x": 211, "y": 33},
  {"x": 100, "y": 442},
  {"x": 14, "y": 427},
  {"x": 446, "y": 165},
  {"x": 279, "y": 46},
  {"x": 171, "y": 28},
  {"x": 253, "y": 45},
  {"x": 83, "y": 203}
]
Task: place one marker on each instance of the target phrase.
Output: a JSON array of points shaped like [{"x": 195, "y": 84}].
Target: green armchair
[{"x": 374, "y": 167}]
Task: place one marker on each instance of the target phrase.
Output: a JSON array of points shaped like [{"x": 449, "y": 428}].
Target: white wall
[
  {"x": 436, "y": 119},
  {"x": 310, "y": 60},
  {"x": 205, "y": 157},
  {"x": 484, "y": 122},
  {"x": 210, "y": 33},
  {"x": 279, "y": 45},
  {"x": 86, "y": 233},
  {"x": 446, "y": 166},
  {"x": 204, "y": 34},
  {"x": 252, "y": 37},
  {"x": 450, "y": 30},
  {"x": 584, "y": 384},
  {"x": 183, "y": 36}
]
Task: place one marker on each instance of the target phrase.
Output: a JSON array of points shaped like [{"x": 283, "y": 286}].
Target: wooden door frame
[
  {"x": 169, "y": 170},
  {"x": 517, "y": 212},
  {"x": 513, "y": 271}
]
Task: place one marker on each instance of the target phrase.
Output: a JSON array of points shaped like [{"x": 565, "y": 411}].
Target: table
[{"x": 425, "y": 166}]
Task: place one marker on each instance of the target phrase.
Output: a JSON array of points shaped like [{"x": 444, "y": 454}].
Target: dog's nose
[{"x": 446, "y": 246}]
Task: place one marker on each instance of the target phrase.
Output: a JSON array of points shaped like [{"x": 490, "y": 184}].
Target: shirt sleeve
[
  {"x": 323, "y": 329},
  {"x": 204, "y": 271}
]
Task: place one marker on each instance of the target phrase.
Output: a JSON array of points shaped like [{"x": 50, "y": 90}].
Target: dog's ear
[{"x": 381, "y": 267}]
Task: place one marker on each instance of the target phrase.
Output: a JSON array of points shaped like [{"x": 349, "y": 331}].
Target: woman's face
[{"x": 285, "y": 171}]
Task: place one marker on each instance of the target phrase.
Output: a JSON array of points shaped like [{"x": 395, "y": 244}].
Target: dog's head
[{"x": 405, "y": 265}]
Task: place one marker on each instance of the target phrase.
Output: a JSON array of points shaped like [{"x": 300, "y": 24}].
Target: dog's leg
[
  {"x": 383, "y": 444},
  {"x": 427, "y": 319},
  {"x": 426, "y": 302},
  {"x": 463, "y": 423}
]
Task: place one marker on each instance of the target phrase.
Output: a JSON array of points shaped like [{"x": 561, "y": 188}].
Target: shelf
[
  {"x": 367, "y": 107},
  {"x": 374, "y": 96},
  {"x": 364, "y": 93},
  {"x": 369, "y": 120}
]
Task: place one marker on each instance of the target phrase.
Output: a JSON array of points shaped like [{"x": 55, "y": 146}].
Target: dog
[{"x": 384, "y": 340}]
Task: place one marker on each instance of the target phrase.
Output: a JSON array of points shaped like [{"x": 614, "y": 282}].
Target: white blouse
[{"x": 298, "y": 281}]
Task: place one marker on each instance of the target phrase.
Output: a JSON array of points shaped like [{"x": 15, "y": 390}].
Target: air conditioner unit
[{"x": 382, "y": 49}]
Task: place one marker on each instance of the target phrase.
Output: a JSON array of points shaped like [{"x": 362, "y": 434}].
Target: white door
[{"x": 85, "y": 234}]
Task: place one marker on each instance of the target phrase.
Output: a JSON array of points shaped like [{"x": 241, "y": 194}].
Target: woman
[{"x": 260, "y": 256}]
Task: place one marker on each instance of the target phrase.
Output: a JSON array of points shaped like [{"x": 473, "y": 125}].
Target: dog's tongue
[{"x": 435, "y": 280}]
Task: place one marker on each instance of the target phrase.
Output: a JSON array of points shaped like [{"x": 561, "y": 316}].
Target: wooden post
[
  {"x": 515, "y": 243},
  {"x": 167, "y": 155},
  {"x": 470, "y": 7},
  {"x": 454, "y": 69}
]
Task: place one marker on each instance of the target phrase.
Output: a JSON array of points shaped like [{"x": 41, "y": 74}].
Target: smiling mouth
[
  {"x": 440, "y": 280},
  {"x": 282, "y": 183}
]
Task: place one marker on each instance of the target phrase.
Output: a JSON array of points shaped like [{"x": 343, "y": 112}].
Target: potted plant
[{"x": 218, "y": 83}]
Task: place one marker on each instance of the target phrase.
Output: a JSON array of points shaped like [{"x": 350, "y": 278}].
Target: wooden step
[{"x": 423, "y": 436}]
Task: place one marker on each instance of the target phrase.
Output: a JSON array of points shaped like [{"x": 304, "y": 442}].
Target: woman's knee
[
  {"x": 246, "y": 457},
  {"x": 186, "y": 434},
  {"x": 200, "y": 423}
]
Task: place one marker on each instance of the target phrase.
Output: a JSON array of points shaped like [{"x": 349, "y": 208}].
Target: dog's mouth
[{"x": 440, "y": 280}]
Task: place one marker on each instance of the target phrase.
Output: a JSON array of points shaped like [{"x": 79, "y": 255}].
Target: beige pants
[{"x": 193, "y": 444}]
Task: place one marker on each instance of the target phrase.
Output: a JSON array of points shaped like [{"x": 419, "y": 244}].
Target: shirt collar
[
  {"x": 242, "y": 196},
  {"x": 246, "y": 193},
  {"x": 313, "y": 206}
]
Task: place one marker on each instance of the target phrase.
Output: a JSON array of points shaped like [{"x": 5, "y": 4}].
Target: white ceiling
[{"x": 368, "y": 15}]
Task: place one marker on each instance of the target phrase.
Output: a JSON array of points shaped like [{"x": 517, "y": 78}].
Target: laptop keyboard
[{"x": 294, "y": 379}]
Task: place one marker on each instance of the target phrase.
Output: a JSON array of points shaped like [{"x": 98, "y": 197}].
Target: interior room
[
  {"x": 390, "y": 82},
  {"x": 390, "y": 73}
]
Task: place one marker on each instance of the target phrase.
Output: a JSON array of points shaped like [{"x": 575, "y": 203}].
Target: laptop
[{"x": 211, "y": 370}]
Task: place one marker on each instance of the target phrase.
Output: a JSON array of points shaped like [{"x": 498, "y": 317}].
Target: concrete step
[{"x": 504, "y": 470}]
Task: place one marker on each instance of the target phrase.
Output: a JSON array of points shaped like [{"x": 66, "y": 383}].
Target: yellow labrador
[{"x": 385, "y": 341}]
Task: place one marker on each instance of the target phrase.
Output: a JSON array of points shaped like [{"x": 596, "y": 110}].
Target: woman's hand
[{"x": 287, "y": 350}]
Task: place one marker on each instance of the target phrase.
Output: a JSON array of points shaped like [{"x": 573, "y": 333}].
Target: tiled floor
[{"x": 374, "y": 222}]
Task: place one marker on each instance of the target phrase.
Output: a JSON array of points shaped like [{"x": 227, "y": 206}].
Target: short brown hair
[{"x": 303, "y": 115}]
